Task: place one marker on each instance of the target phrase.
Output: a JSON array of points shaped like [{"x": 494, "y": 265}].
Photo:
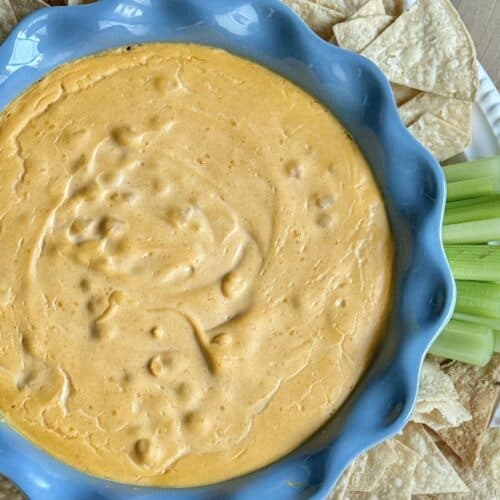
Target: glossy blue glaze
[{"x": 410, "y": 179}]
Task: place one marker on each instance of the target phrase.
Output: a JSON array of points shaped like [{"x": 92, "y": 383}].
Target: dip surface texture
[{"x": 196, "y": 265}]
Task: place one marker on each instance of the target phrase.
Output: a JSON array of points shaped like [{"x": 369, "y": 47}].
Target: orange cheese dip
[{"x": 196, "y": 265}]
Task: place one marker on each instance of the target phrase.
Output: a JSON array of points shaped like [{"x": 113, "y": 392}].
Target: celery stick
[
  {"x": 480, "y": 231},
  {"x": 474, "y": 262},
  {"x": 483, "y": 208},
  {"x": 496, "y": 335},
  {"x": 458, "y": 326},
  {"x": 481, "y": 320},
  {"x": 473, "y": 188},
  {"x": 478, "y": 298},
  {"x": 465, "y": 342},
  {"x": 470, "y": 202},
  {"x": 484, "y": 167}
]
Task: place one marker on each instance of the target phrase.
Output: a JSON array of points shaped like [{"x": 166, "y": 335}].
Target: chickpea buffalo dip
[{"x": 196, "y": 265}]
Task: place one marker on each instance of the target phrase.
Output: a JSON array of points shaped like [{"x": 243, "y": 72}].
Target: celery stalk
[
  {"x": 473, "y": 188},
  {"x": 451, "y": 205},
  {"x": 478, "y": 298},
  {"x": 474, "y": 262},
  {"x": 496, "y": 335},
  {"x": 465, "y": 342},
  {"x": 484, "y": 167},
  {"x": 483, "y": 208},
  {"x": 481, "y": 320},
  {"x": 480, "y": 231}
]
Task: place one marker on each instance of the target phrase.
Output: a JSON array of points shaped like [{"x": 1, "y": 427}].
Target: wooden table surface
[{"x": 482, "y": 17}]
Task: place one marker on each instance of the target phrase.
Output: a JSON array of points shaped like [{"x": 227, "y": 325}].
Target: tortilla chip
[
  {"x": 370, "y": 8},
  {"x": 398, "y": 480},
  {"x": 428, "y": 48},
  {"x": 341, "y": 6},
  {"x": 484, "y": 479},
  {"x": 356, "y": 34},
  {"x": 441, "y": 414},
  {"x": 455, "y": 111},
  {"x": 338, "y": 492},
  {"x": 494, "y": 369},
  {"x": 392, "y": 7},
  {"x": 359, "y": 464},
  {"x": 435, "y": 385},
  {"x": 9, "y": 491},
  {"x": 378, "y": 460},
  {"x": 438, "y": 405},
  {"x": 7, "y": 19},
  {"x": 22, "y": 8},
  {"x": 319, "y": 18},
  {"x": 478, "y": 394},
  {"x": 444, "y": 363},
  {"x": 442, "y": 139},
  {"x": 433, "y": 474},
  {"x": 403, "y": 94}
]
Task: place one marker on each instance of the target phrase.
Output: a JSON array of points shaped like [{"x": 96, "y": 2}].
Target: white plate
[{"x": 485, "y": 120}]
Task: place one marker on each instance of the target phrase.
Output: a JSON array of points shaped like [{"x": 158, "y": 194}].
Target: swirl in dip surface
[{"x": 196, "y": 265}]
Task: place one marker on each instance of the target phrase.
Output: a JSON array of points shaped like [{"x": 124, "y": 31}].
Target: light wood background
[{"x": 482, "y": 17}]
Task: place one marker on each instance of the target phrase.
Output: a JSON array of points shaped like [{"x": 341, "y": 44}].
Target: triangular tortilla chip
[
  {"x": 455, "y": 111},
  {"x": 428, "y": 48},
  {"x": 437, "y": 401},
  {"x": 356, "y": 34},
  {"x": 397, "y": 482},
  {"x": 440, "y": 414},
  {"x": 478, "y": 393},
  {"x": 7, "y": 19},
  {"x": 391, "y": 7},
  {"x": 394, "y": 7},
  {"x": 435, "y": 385},
  {"x": 439, "y": 137},
  {"x": 433, "y": 473},
  {"x": 338, "y": 492},
  {"x": 319, "y": 18},
  {"x": 22, "y": 8},
  {"x": 359, "y": 464},
  {"x": 403, "y": 94},
  {"x": 484, "y": 479},
  {"x": 378, "y": 459},
  {"x": 341, "y": 6},
  {"x": 9, "y": 491},
  {"x": 370, "y": 8}
]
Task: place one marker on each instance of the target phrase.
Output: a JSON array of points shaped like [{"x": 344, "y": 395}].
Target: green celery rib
[
  {"x": 480, "y": 231},
  {"x": 473, "y": 188},
  {"x": 451, "y": 205},
  {"x": 490, "y": 322},
  {"x": 474, "y": 262},
  {"x": 484, "y": 167},
  {"x": 496, "y": 335},
  {"x": 465, "y": 342},
  {"x": 483, "y": 208},
  {"x": 478, "y": 298}
]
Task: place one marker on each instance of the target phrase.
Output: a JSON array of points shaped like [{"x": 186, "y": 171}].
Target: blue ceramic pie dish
[{"x": 411, "y": 181}]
